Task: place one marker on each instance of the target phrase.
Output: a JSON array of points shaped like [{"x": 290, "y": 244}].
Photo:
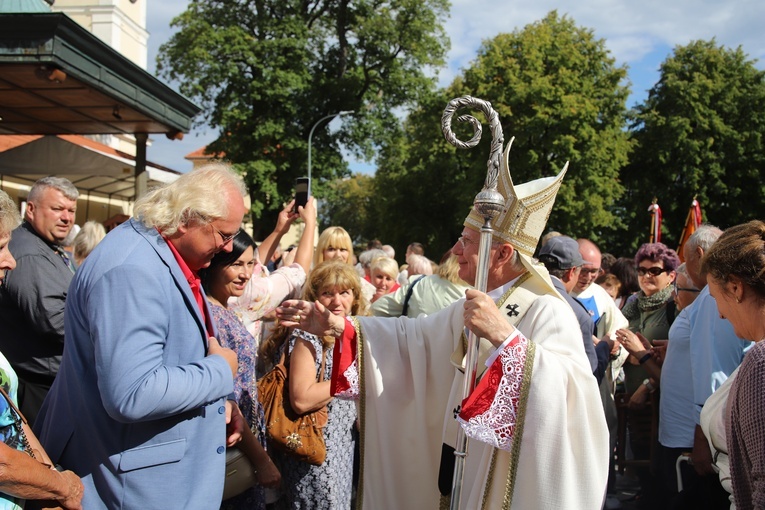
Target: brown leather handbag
[{"x": 298, "y": 435}]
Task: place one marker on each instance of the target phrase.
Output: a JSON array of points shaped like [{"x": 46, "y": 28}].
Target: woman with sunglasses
[{"x": 650, "y": 313}]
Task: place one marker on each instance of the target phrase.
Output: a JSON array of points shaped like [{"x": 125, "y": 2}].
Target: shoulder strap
[
  {"x": 323, "y": 363},
  {"x": 409, "y": 295},
  {"x": 20, "y": 422},
  {"x": 671, "y": 311}
]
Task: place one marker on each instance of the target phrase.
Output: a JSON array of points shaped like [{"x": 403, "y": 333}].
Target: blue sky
[{"x": 640, "y": 34}]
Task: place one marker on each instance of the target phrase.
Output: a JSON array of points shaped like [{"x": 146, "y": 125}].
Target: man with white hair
[
  {"x": 538, "y": 437},
  {"x": 33, "y": 296},
  {"x": 139, "y": 408}
]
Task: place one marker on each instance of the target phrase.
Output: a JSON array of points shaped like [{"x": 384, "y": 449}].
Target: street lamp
[{"x": 310, "y": 135}]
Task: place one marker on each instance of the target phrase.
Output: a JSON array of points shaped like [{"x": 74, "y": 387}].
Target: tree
[
  {"x": 558, "y": 91},
  {"x": 348, "y": 203},
  {"x": 266, "y": 71},
  {"x": 699, "y": 133}
]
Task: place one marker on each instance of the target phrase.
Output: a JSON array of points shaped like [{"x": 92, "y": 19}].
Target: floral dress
[
  {"x": 263, "y": 293},
  {"x": 10, "y": 433},
  {"x": 328, "y": 486},
  {"x": 233, "y": 335}
]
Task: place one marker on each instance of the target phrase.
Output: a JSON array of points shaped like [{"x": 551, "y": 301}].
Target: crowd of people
[{"x": 134, "y": 357}]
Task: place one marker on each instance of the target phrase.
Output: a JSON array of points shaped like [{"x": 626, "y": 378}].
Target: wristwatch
[{"x": 647, "y": 384}]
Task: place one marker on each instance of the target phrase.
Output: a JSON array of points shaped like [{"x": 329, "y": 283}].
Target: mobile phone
[{"x": 302, "y": 192}]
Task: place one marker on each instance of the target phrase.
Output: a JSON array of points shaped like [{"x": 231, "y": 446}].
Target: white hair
[
  {"x": 197, "y": 196},
  {"x": 704, "y": 237},
  {"x": 9, "y": 214},
  {"x": 91, "y": 233}
]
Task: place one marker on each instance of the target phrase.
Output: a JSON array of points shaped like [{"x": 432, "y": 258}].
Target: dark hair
[
  {"x": 222, "y": 259},
  {"x": 658, "y": 252},
  {"x": 739, "y": 252},
  {"x": 624, "y": 270},
  {"x": 606, "y": 261}
]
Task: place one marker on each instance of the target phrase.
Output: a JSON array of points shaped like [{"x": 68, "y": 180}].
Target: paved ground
[{"x": 624, "y": 496}]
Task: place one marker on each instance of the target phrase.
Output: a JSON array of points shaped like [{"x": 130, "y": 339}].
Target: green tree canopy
[
  {"x": 558, "y": 91},
  {"x": 348, "y": 203},
  {"x": 266, "y": 71},
  {"x": 699, "y": 133}
]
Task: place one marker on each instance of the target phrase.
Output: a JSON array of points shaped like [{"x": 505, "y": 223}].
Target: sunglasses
[{"x": 653, "y": 271}]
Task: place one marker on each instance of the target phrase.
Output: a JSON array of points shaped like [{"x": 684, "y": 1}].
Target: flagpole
[
  {"x": 488, "y": 203},
  {"x": 692, "y": 222},
  {"x": 655, "y": 210}
]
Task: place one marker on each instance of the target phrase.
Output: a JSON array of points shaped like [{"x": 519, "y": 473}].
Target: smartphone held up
[{"x": 302, "y": 192}]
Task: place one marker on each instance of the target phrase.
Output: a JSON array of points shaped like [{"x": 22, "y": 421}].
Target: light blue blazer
[{"x": 137, "y": 409}]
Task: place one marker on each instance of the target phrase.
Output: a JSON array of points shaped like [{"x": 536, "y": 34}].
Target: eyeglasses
[
  {"x": 686, "y": 289},
  {"x": 465, "y": 242},
  {"x": 591, "y": 270},
  {"x": 653, "y": 271},
  {"x": 225, "y": 238}
]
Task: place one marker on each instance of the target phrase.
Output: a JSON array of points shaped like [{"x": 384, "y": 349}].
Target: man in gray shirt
[{"x": 32, "y": 296}]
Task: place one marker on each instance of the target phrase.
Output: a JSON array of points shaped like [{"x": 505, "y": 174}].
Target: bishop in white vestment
[{"x": 538, "y": 435}]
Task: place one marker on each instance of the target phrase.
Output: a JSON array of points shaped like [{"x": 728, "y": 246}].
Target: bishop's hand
[
  {"x": 311, "y": 317},
  {"x": 483, "y": 318}
]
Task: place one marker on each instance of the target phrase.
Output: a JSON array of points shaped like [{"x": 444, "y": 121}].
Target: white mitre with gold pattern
[{"x": 526, "y": 211}]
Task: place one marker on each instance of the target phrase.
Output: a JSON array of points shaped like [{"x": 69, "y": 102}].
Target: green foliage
[
  {"x": 266, "y": 71},
  {"x": 699, "y": 133},
  {"x": 348, "y": 203},
  {"x": 556, "y": 90}
]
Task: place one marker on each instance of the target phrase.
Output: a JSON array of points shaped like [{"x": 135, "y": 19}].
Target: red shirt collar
[{"x": 195, "y": 283}]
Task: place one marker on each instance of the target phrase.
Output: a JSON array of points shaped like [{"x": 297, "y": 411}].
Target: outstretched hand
[{"x": 311, "y": 317}]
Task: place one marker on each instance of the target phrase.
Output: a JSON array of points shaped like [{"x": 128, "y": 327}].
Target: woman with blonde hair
[
  {"x": 335, "y": 285},
  {"x": 383, "y": 272},
  {"x": 86, "y": 239},
  {"x": 334, "y": 243},
  {"x": 424, "y": 294}
]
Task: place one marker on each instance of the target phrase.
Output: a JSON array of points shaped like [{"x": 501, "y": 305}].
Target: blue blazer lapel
[{"x": 157, "y": 242}]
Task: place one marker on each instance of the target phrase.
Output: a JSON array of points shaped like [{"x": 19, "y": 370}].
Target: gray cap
[{"x": 560, "y": 252}]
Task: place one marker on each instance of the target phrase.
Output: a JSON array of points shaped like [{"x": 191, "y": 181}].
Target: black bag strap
[
  {"x": 409, "y": 295},
  {"x": 671, "y": 311}
]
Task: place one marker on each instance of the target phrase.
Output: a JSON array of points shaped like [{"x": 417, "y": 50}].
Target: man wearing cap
[
  {"x": 561, "y": 257},
  {"x": 538, "y": 437}
]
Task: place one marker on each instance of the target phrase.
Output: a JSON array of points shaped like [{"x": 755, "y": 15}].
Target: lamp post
[{"x": 310, "y": 135}]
